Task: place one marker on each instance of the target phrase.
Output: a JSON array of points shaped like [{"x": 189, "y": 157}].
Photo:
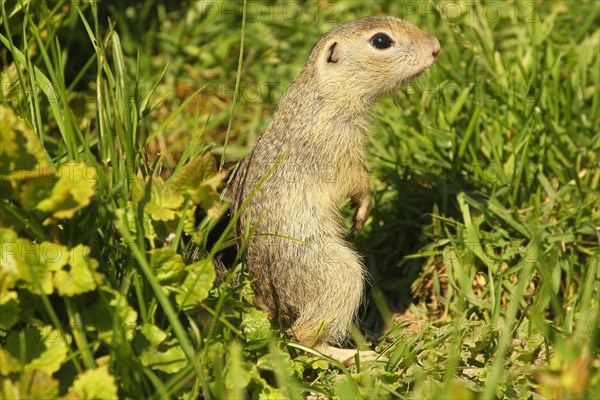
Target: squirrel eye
[{"x": 381, "y": 41}]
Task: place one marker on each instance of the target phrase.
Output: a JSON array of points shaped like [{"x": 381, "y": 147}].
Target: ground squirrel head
[{"x": 370, "y": 57}]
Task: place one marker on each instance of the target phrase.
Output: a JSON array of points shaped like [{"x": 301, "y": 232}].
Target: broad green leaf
[
  {"x": 215, "y": 353},
  {"x": 10, "y": 264},
  {"x": 7, "y": 282},
  {"x": 526, "y": 351},
  {"x": 164, "y": 201},
  {"x": 320, "y": 364},
  {"x": 345, "y": 388},
  {"x": 34, "y": 191},
  {"x": 20, "y": 258},
  {"x": 208, "y": 198},
  {"x": 194, "y": 173},
  {"x": 277, "y": 360},
  {"x": 127, "y": 314},
  {"x": 34, "y": 262},
  {"x": 256, "y": 328},
  {"x": 55, "y": 354},
  {"x": 38, "y": 385},
  {"x": 8, "y": 363},
  {"x": 166, "y": 263},
  {"x": 460, "y": 390},
  {"x": 192, "y": 227},
  {"x": 165, "y": 358},
  {"x": 200, "y": 180},
  {"x": 114, "y": 320},
  {"x": 9, "y": 311},
  {"x": 198, "y": 282},
  {"x": 480, "y": 337},
  {"x": 237, "y": 375},
  {"x": 154, "y": 334},
  {"x": 94, "y": 384},
  {"x": 81, "y": 277},
  {"x": 130, "y": 215},
  {"x": 42, "y": 348},
  {"x": 74, "y": 190},
  {"x": 270, "y": 393},
  {"x": 156, "y": 353},
  {"x": 21, "y": 153},
  {"x": 10, "y": 254}
]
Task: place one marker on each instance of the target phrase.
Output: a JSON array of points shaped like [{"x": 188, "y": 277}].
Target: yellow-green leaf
[
  {"x": 158, "y": 355},
  {"x": 200, "y": 180},
  {"x": 167, "y": 358},
  {"x": 94, "y": 384},
  {"x": 207, "y": 197},
  {"x": 237, "y": 372},
  {"x": 166, "y": 263},
  {"x": 81, "y": 277},
  {"x": 194, "y": 173},
  {"x": 40, "y": 347},
  {"x": 52, "y": 358},
  {"x": 164, "y": 201},
  {"x": 38, "y": 385},
  {"x": 127, "y": 314},
  {"x": 10, "y": 261},
  {"x": 154, "y": 334},
  {"x": 20, "y": 258},
  {"x": 21, "y": 152},
  {"x": 111, "y": 317},
  {"x": 128, "y": 215},
  {"x": 256, "y": 328},
  {"x": 9, "y": 311},
  {"x": 198, "y": 282},
  {"x": 74, "y": 190},
  {"x": 8, "y": 363},
  {"x": 192, "y": 227},
  {"x": 33, "y": 191}
]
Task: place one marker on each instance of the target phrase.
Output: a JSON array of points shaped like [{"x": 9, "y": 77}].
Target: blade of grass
[
  {"x": 175, "y": 113},
  {"x": 164, "y": 302},
  {"x": 510, "y": 322},
  {"x": 237, "y": 83}
]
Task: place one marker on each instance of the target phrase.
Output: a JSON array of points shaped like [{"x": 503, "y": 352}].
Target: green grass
[{"x": 119, "y": 127}]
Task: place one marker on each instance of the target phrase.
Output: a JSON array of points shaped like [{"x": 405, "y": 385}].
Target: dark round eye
[{"x": 381, "y": 41}]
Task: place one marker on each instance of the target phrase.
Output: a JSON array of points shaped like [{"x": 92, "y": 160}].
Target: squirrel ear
[{"x": 333, "y": 54}]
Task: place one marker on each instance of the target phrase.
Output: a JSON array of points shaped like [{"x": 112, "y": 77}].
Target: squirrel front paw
[{"x": 360, "y": 216}]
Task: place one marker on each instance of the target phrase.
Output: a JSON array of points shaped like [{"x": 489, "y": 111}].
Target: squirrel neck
[{"x": 313, "y": 114}]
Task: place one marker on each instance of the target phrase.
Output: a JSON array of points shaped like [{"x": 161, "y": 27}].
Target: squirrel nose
[{"x": 436, "y": 48}]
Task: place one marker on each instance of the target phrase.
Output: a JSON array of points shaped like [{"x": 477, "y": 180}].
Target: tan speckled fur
[{"x": 305, "y": 274}]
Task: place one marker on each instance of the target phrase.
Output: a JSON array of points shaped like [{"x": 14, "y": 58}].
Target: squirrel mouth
[
  {"x": 415, "y": 75},
  {"x": 418, "y": 73}
]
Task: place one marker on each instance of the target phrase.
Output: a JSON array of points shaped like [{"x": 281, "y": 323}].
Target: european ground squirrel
[{"x": 304, "y": 273}]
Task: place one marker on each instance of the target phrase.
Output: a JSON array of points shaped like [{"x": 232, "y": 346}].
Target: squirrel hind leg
[{"x": 326, "y": 315}]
